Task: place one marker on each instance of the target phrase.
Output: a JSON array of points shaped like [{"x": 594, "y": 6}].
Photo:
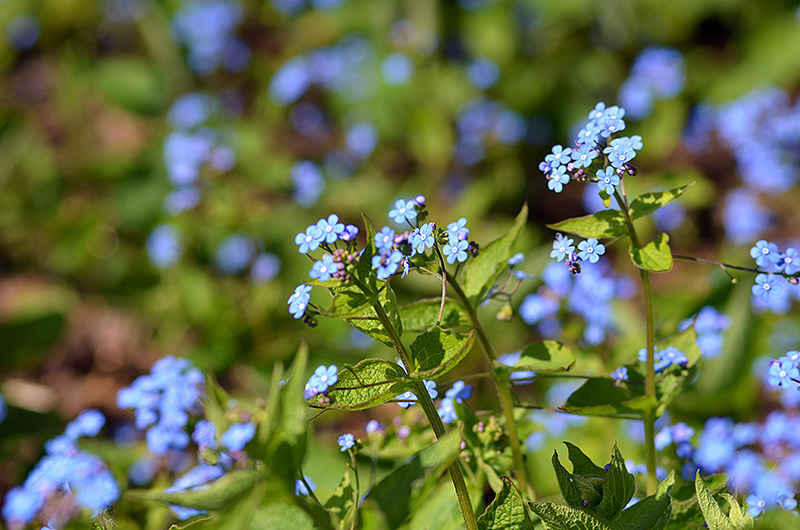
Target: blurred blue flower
[
  {"x": 483, "y": 73},
  {"x": 23, "y": 31},
  {"x": 164, "y": 246},
  {"x": 361, "y": 140},
  {"x": 397, "y": 68},
  {"x": 308, "y": 183},
  {"x": 265, "y": 267},
  {"x": 290, "y": 81},
  {"x": 234, "y": 254}
]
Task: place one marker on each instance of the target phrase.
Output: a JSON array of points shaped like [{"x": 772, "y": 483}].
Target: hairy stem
[
  {"x": 649, "y": 417},
  {"x": 429, "y": 408},
  {"x": 503, "y": 388}
]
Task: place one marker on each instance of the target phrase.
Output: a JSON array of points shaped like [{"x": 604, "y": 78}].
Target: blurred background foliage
[{"x": 341, "y": 106}]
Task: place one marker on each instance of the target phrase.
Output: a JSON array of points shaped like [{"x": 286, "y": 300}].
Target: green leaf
[
  {"x": 216, "y": 496},
  {"x": 582, "y": 464},
  {"x": 619, "y": 488},
  {"x": 368, "y": 383},
  {"x": 545, "y": 356},
  {"x": 348, "y": 302},
  {"x": 419, "y": 316},
  {"x": 654, "y": 257},
  {"x": 715, "y": 518},
  {"x": 440, "y": 510},
  {"x": 341, "y": 501},
  {"x": 735, "y": 515},
  {"x": 281, "y": 515},
  {"x": 437, "y": 351},
  {"x": 601, "y": 396},
  {"x": 558, "y": 517},
  {"x": 650, "y": 202},
  {"x": 570, "y": 492},
  {"x": 483, "y": 271},
  {"x": 506, "y": 512},
  {"x": 356, "y": 308},
  {"x": 403, "y": 490},
  {"x": 289, "y": 446},
  {"x": 603, "y": 224},
  {"x": 650, "y": 513}
]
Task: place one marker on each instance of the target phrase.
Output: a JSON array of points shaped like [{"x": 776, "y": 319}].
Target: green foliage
[
  {"x": 714, "y": 516},
  {"x": 437, "y": 351},
  {"x": 601, "y": 225},
  {"x": 355, "y": 306},
  {"x": 402, "y": 491},
  {"x": 603, "y": 396},
  {"x": 370, "y": 382},
  {"x": 648, "y": 203},
  {"x": 340, "y": 502},
  {"x": 652, "y": 512},
  {"x": 219, "y": 494},
  {"x": 422, "y": 315},
  {"x": 507, "y": 510},
  {"x": 545, "y": 356},
  {"x": 654, "y": 256},
  {"x": 483, "y": 271}
]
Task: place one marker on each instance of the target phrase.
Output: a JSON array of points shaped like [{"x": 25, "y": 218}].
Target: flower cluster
[
  {"x": 323, "y": 378},
  {"x": 208, "y": 30},
  {"x": 65, "y": 481},
  {"x": 657, "y": 73},
  {"x": 588, "y": 250},
  {"x": 773, "y": 288},
  {"x": 665, "y": 358},
  {"x": 594, "y": 139},
  {"x": 785, "y": 371},
  {"x": 589, "y": 295},
  {"x": 163, "y": 402}
]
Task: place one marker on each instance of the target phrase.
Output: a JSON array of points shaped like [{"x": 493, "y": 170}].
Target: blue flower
[
  {"x": 331, "y": 228},
  {"x": 164, "y": 246},
  {"x": 590, "y": 250},
  {"x": 309, "y": 240},
  {"x": 606, "y": 180},
  {"x": 324, "y": 377},
  {"x": 298, "y": 301},
  {"x": 788, "y": 262},
  {"x": 205, "y": 435},
  {"x": 516, "y": 259},
  {"x": 589, "y": 135},
  {"x": 783, "y": 374},
  {"x": 301, "y": 489},
  {"x": 447, "y": 410},
  {"x": 559, "y": 156},
  {"x": 350, "y": 233},
  {"x": 767, "y": 286},
  {"x": 597, "y": 112},
  {"x": 88, "y": 423},
  {"x": 346, "y": 441},
  {"x": 457, "y": 230},
  {"x": 384, "y": 239},
  {"x": 459, "y": 391},
  {"x": 755, "y": 505},
  {"x": 238, "y": 435},
  {"x": 562, "y": 247},
  {"x": 557, "y": 178},
  {"x": 387, "y": 264},
  {"x": 620, "y": 374},
  {"x": 763, "y": 251},
  {"x": 584, "y": 155},
  {"x": 323, "y": 268},
  {"x": 612, "y": 121},
  {"x": 620, "y": 151},
  {"x": 406, "y": 399},
  {"x": 431, "y": 387},
  {"x": 403, "y": 211},
  {"x": 457, "y": 251},
  {"x": 422, "y": 238}
]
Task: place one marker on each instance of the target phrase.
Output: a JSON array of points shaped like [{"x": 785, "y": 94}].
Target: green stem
[
  {"x": 356, "y": 493},
  {"x": 429, "y": 408},
  {"x": 649, "y": 417},
  {"x": 503, "y": 388}
]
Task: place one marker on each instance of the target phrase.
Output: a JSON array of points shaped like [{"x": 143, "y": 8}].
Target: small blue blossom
[
  {"x": 406, "y": 399},
  {"x": 620, "y": 374},
  {"x": 447, "y": 411},
  {"x": 583, "y": 156},
  {"x": 457, "y": 230},
  {"x": 606, "y": 180},
  {"x": 238, "y": 435},
  {"x": 763, "y": 251},
  {"x": 331, "y": 228},
  {"x": 88, "y": 423},
  {"x": 324, "y": 377},
  {"x": 516, "y": 259},
  {"x": 322, "y": 269},
  {"x": 431, "y": 387},
  {"x": 562, "y": 247},
  {"x": 620, "y": 151},
  {"x": 597, "y": 112},
  {"x": 422, "y": 238},
  {"x": 309, "y": 240},
  {"x": 612, "y": 122},
  {"x": 387, "y": 264},
  {"x": 557, "y": 178},
  {"x": 346, "y": 441},
  {"x": 559, "y": 156},
  {"x": 459, "y": 391},
  {"x": 590, "y": 250},
  {"x": 403, "y": 211},
  {"x": 767, "y": 286},
  {"x": 205, "y": 435},
  {"x": 783, "y": 374},
  {"x": 298, "y": 301},
  {"x": 457, "y": 251},
  {"x": 301, "y": 489},
  {"x": 384, "y": 240},
  {"x": 665, "y": 358},
  {"x": 788, "y": 262},
  {"x": 373, "y": 426},
  {"x": 589, "y": 135}
]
